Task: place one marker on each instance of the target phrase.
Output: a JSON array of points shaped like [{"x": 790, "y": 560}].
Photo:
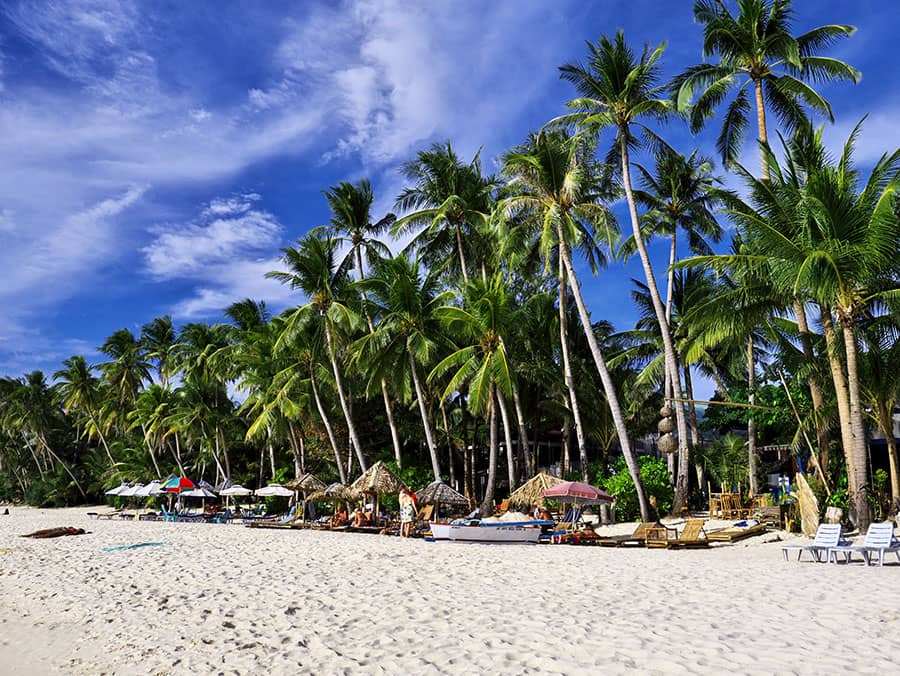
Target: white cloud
[{"x": 228, "y": 229}]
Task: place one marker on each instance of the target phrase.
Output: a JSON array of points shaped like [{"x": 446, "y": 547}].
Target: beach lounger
[
  {"x": 879, "y": 540},
  {"x": 659, "y": 536},
  {"x": 692, "y": 536},
  {"x": 735, "y": 533},
  {"x": 828, "y": 536},
  {"x": 105, "y": 515},
  {"x": 637, "y": 538}
]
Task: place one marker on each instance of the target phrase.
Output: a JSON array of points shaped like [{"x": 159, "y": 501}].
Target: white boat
[{"x": 512, "y": 532}]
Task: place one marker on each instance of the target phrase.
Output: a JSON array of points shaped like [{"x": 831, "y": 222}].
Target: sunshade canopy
[
  {"x": 235, "y": 489},
  {"x": 118, "y": 489},
  {"x": 177, "y": 484},
  {"x": 276, "y": 490},
  {"x": 378, "y": 479},
  {"x": 308, "y": 483},
  {"x": 151, "y": 489},
  {"x": 335, "y": 491},
  {"x": 131, "y": 491},
  {"x": 198, "y": 492},
  {"x": 528, "y": 493},
  {"x": 577, "y": 492},
  {"x": 438, "y": 492}
]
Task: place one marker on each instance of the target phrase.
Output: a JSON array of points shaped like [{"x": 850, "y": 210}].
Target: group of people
[{"x": 358, "y": 518}]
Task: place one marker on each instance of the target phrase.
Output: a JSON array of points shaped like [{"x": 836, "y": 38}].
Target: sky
[{"x": 154, "y": 157}]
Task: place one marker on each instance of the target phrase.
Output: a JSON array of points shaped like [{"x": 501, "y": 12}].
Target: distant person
[
  {"x": 340, "y": 517},
  {"x": 359, "y": 518},
  {"x": 407, "y": 512}
]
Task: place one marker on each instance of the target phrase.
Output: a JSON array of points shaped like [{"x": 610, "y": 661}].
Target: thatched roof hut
[
  {"x": 308, "y": 483},
  {"x": 335, "y": 491},
  {"x": 377, "y": 480},
  {"x": 439, "y": 493},
  {"x": 530, "y": 492}
]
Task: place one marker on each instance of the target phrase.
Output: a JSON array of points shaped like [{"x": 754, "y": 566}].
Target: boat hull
[{"x": 487, "y": 534}]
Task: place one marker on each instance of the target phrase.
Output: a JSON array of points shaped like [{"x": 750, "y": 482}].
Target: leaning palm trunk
[
  {"x": 857, "y": 428},
  {"x": 668, "y": 345},
  {"x": 843, "y": 402},
  {"x": 487, "y": 504},
  {"x": 388, "y": 409},
  {"x": 886, "y": 424},
  {"x": 102, "y": 436},
  {"x": 814, "y": 390},
  {"x": 751, "y": 422},
  {"x": 64, "y": 465},
  {"x": 462, "y": 257},
  {"x": 507, "y": 436},
  {"x": 426, "y": 420},
  {"x": 608, "y": 387},
  {"x": 339, "y": 385},
  {"x": 567, "y": 370},
  {"x": 524, "y": 448},
  {"x": 328, "y": 429}
]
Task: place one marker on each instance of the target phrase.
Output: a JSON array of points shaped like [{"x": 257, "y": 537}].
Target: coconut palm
[
  {"x": 79, "y": 392},
  {"x": 557, "y": 192},
  {"x": 616, "y": 91},
  {"x": 351, "y": 222},
  {"x": 313, "y": 268},
  {"x": 756, "y": 50},
  {"x": 158, "y": 339},
  {"x": 408, "y": 334},
  {"x": 450, "y": 199}
]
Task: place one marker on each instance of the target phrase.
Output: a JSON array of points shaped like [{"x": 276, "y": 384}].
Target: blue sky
[{"x": 155, "y": 156}]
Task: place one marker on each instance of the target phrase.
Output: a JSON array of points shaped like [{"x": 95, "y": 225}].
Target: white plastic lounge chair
[
  {"x": 879, "y": 539},
  {"x": 827, "y": 537}
]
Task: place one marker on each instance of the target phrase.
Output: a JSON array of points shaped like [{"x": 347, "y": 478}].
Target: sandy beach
[{"x": 228, "y": 599}]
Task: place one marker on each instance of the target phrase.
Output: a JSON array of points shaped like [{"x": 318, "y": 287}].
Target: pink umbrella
[{"x": 578, "y": 493}]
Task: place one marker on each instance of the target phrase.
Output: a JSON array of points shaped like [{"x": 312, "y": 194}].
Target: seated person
[
  {"x": 359, "y": 518},
  {"x": 541, "y": 513},
  {"x": 340, "y": 518}
]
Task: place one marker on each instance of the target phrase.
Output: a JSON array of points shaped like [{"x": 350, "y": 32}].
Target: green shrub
[{"x": 655, "y": 476}]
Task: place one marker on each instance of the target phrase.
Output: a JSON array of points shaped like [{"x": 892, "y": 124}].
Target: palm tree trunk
[
  {"x": 64, "y": 465},
  {"x": 271, "y": 451},
  {"x": 843, "y": 403},
  {"x": 668, "y": 344},
  {"x": 525, "y": 449},
  {"x": 761, "y": 124},
  {"x": 857, "y": 428},
  {"x": 692, "y": 408},
  {"x": 815, "y": 391},
  {"x": 608, "y": 387},
  {"x": 886, "y": 424},
  {"x": 149, "y": 442},
  {"x": 40, "y": 468},
  {"x": 751, "y": 423},
  {"x": 388, "y": 409},
  {"x": 487, "y": 504},
  {"x": 100, "y": 434},
  {"x": 451, "y": 466},
  {"x": 426, "y": 421},
  {"x": 507, "y": 436},
  {"x": 339, "y": 384},
  {"x": 295, "y": 449},
  {"x": 567, "y": 367},
  {"x": 462, "y": 257},
  {"x": 671, "y": 458},
  {"x": 328, "y": 429}
]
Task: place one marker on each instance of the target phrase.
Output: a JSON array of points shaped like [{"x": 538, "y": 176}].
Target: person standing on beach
[{"x": 407, "y": 512}]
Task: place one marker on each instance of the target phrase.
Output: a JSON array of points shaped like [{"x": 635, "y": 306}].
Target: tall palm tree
[
  {"x": 313, "y": 268},
  {"x": 406, "y": 302},
  {"x": 557, "y": 192},
  {"x": 129, "y": 366},
  {"x": 756, "y": 50},
  {"x": 79, "y": 392},
  {"x": 827, "y": 236},
  {"x": 158, "y": 339},
  {"x": 450, "y": 198},
  {"x": 351, "y": 222}
]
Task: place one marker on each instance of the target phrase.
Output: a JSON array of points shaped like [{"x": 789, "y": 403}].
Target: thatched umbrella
[
  {"x": 306, "y": 484},
  {"x": 335, "y": 491},
  {"x": 439, "y": 493},
  {"x": 377, "y": 480},
  {"x": 530, "y": 492}
]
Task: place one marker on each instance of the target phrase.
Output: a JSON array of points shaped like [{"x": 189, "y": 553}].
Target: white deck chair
[
  {"x": 828, "y": 536},
  {"x": 879, "y": 539}
]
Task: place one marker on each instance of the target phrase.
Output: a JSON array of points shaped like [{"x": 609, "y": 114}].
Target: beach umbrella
[
  {"x": 577, "y": 493},
  {"x": 528, "y": 493},
  {"x": 276, "y": 490},
  {"x": 306, "y": 484},
  {"x": 177, "y": 484},
  {"x": 150, "y": 490},
  {"x": 117, "y": 490},
  {"x": 377, "y": 480},
  {"x": 131, "y": 491},
  {"x": 335, "y": 491},
  {"x": 198, "y": 492},
  {"x": 235, "y": 489},
  {"x": 439, "y": 493}
]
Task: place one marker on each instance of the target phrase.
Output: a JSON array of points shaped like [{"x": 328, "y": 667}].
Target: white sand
[{"x": 227, "y": 599}]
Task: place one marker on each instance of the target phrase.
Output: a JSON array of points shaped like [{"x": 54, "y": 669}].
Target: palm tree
[
  {"x": 557, "y": 191},
  {"x": 314, "y": 269},
  {"x": 820, "y": 232},
  {"x": 449, "y": 198},
  {"x": 351, "y": 222},
  {"x": 79, "y": 392},
  {"x": 409, "y": 330},
  {"x": 756, "y": 49},
  {"x": 616, "y": 91},
  {"x": 129, "y": 367},
  {"x": 158, "y": 339}
]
